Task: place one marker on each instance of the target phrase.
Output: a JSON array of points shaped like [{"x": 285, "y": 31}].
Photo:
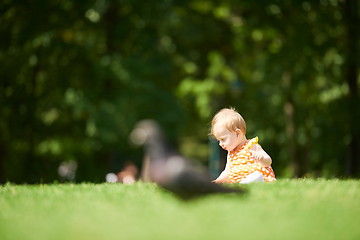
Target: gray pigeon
[{"x": 169, "y": 169}]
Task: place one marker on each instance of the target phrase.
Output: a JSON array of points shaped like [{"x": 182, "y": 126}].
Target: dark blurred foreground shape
[
  {"x": 169, "y": 169},
  {"x": 75, "y": 76}
]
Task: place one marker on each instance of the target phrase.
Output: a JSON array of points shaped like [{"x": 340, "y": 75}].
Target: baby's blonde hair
[{"x": 229, "y": 118}]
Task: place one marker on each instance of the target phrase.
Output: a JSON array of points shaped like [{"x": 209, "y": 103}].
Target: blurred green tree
[{"x": 76, "y": 76}]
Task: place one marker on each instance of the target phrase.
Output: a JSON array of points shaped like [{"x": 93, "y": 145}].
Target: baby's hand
[
  {"x": 256, "y": 154},
  {"x": 261, "y": 156}
]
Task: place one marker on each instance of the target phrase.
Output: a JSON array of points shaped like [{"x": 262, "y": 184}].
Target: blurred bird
[{"x": 169, "y": 169}]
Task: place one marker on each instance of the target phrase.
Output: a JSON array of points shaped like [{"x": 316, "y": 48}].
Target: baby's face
[{"x": 227, "y": 140}]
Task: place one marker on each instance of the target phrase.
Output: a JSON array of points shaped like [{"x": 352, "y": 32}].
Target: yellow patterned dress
[{"x": 242, "y": 164}]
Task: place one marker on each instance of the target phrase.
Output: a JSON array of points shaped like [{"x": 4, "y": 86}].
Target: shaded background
[{"x": 77, "y": 75}]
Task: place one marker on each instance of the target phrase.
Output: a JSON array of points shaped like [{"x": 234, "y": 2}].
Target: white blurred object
[
  {"x": 253, "y": 177},
  {"x": 111, "y": 178},
  {"x": 67, "y": 170},
  {"x": 128, "y": 180}
]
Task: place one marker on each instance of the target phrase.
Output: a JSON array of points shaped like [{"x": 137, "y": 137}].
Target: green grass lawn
[{"x": 287, "y": 209}]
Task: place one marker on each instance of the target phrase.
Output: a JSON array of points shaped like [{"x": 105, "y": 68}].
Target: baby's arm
[
  {"x": 260, "y": 155},
  {"x": 224, "y": 175}
]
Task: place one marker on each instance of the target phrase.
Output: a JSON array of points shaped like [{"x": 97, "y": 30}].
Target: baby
[{"x": 246, "y": 161}]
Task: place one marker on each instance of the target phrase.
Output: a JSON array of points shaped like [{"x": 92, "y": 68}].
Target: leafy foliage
[{"x": 76, "y": 76}]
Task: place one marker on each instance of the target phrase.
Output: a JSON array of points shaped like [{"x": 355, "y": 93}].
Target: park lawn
[{"x": 287, "y": 209}]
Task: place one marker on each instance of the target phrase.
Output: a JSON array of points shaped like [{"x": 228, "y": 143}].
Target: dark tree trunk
[
  {"x": 351, "y": 17},
  {"x": 111, "y": 19},
  {"x": 290, "y": 128},
  {"x": 2, "y": 162}
]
